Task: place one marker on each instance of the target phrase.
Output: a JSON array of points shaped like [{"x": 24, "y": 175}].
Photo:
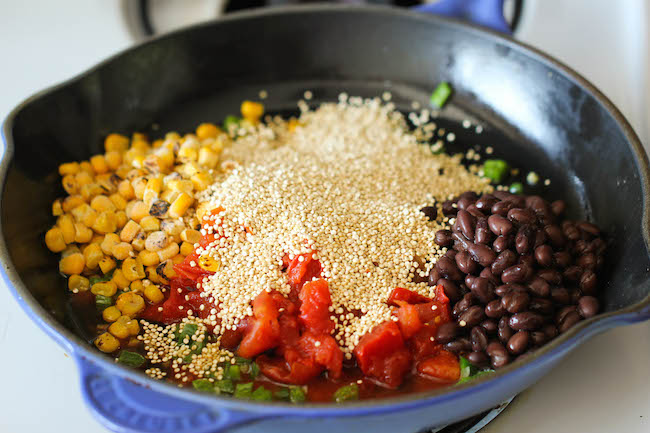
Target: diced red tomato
[
  {"x": 443, "y": 366},
  {"x": 408, "y": 319},
  {"x": 430, "y": 311},
  {"x": 422, "y": 345},
  {"x": 298, "y": 371},
  {"x": 324, "y": 351},
  {"x": 381, "y": 353},
  {"x": 440, "y": 295},
  {"x": 301, "y": 271},
  {"x": 405, "y": 295},
  {"x": 314, "y": 308},
  {"x": 264, "y": 331},
  {"x": 178, "y": 296}
]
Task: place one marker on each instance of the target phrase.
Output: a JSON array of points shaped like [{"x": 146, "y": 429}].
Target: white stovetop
[{"x": 603, "y": 386}]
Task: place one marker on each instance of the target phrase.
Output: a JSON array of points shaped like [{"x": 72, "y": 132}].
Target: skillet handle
[
  {"x": 125, "y": 407},
  {"x": 487, "y": 13}
]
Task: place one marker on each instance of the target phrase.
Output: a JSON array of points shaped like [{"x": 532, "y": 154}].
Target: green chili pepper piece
[{"x": 346, "y": 393}]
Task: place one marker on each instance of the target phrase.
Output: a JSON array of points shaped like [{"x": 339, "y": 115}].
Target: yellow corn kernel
[
  {"x": 91, "y": 190},
  {"x": 132, "y": 269},
  {"x": 189, "y": 169},
  {"x": 178, "y": 258},
  {"x": 131, "y": 303},
  {"x": 129, "y": 231},
  {"x": 57, "y": 208},
  {"x": 110, "y": 240},
  {"x": 152, "y": 275},
  {"x": 136, "y": 286},
  {"x": 149, "y": 196},
  {"x": 153, "y": 294},
  {"x": 155, "y": 184},
  {"x": 168, "y": 252},
  {"x": 191, "y": 236},
  {"x": 116, "y": 142},
  {"x": 119, "y": 279},
  {"x": 122, "y": 251},
  {"x": 149, "y": 258},
  {"x": 252, "y": 111},
  {"x": 83, "y": 234},
  {"x": 181, "y": 185},
  {"x": 93, "y": 254},
  {"x": 119, "y": 329},
  {"x": 169, "y": 195},
  {"x": 167, "y": 269},
  {"x": 107, "y": 264},
  {"x": 107, "y": 343},
  {"x": 137, "y": 210},
  {"x": 66, "y": 224},
  {"x": 84, "y": 178},
  {"x": 97, "y": 239},
  {"x": 126, "y": 190},
  {"x": 209, "y": 263},
  {"x": 85, "y": 166},
  {"x": 121, "y": 218},
  {"x": 186, "y": 248},
  {"x": 165, "y": 157},
  {"x": 99, "y": 164},
  {"x": 150, "y": 223},
  {"x": 140, "y": 143},
  {"x": 104, "y": 288},
  {"x": 201, "y": 180},
  {"x": 139, "y": 184},
  {"x": 54, "y": 240},
  {"x": 107, "y": 182},
  {"x": 207, "y": 130},
  {"x": 72, "y": 202},
  {"x": 69, "y": 168},
  {"x": 77, "y": 283},
  {"x": 70, "y": 184},
  {"x": 180, "y": 205},
  {"x": 106, "y": 222},
  {"x": 72, "y": 264},
  {"x": 138, "y": 244},
  {"x": 118, "y": 201},
  {"x": 111, "y": 314},
  {"x": 101, "y": 203},
  {"x": 113, "y": 159},
  {"x": 157, "y": 143},
  {"x": 84, "y": 214}
]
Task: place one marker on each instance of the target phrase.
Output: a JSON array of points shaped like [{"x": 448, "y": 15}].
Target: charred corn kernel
[
  {"x": 107, "y": 264},
  {"x": 69, "y": 168},
  {"x": 156, "y": 241},
  {"x": 122, "y": 171},
  {"x": 104, "y": 288},
  {"x": 113, "y": 159},
  {"x": 181, "y": 185},
  {"x": 149, "y": 196},
  {"x": 180, "y": 205},
  {"x": 82, "y": 233},
  {"x": 122, "y": 251},
  {"x": 150, "y": 223},
  {"x": 118, "y": 201},
  {"x": 66, "y": 224},
  {"x": 207, "y": 130},
  {"x": 149, "y": 258},
  {"x": 153, "y": 164},
  {"x": 101, "y": 203},
  {"x": 72, "y": 264},
  {"x": 135, "y": 172},
  {"x": 167, "y": 270},
  {"x": 168, "y": 252},
  {"x": 86, "y": 167},
  {"x": 131, "y": 303},
  {"x": 77, "y": 283},
  {"x": 126, "y": 190},
  {"x": 252, "y": 111},
  {"x": 191, "y": 236},
  {"x": 119, "y": 329},
  {"x": 110, "y": 240},
  {"x": 138, "y": 211},
  {"x": 99, "y": 164},
  {"x": 187, "y": 248},
  {"x": 107, "y": 343},
  {"x": 121, "y": 218},
  {"x": 107, "y": 184},
  {"x": 136, "y": 286},
  {"x": 209, "y": 263},
  {"x": 120, "y": 280},
  {"x": 138, "y": 244},
  {"x": 111, "y": 314},
  {"x": 132, "y": 269},
  {"x": 84, "y": 178},
  {"x": 116, "y": 142},
  {"x": 129, "y": 231},
  {"x": 57, "y": 208},
  {"x": 201, "y": 180},
  {"x": 154, "y": 294},
  {"x": 84, "y": 214},
  {"x": 93, "y": 254},
  {"x": 152, "y": 275},
  {"x": 70, "y": 184},
  {"x": 72, "y": 202},
  {"x": 169, "y": 195},
  {"x": 106, "y": 222},
  {"x": 139, "y": 185}
]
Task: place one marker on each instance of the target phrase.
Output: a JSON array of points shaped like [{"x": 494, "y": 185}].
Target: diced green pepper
[
  {"x": 254, "y": 370},
  {"x": 466, "y": 368},
  {"x": 244, "y": 390},
  {"x": 102, "y": 279},
  {"x": 346, "y": 393},
  {"x": 495, "y": 169},
  {"x": 131, "y": 359},
  {"x": 203, "y": 385},
  {"x": 225, "y": 386},
  {"x": 281, "y": 394},
  {"x": 262, "y": 394},
  {"x": 231, "y": 122},
  {"x": 103, "y": 302},
  {"x": 516, "y": 188},
  {"x": 440, "y": 94},
  {"x": 242, "y": 361},
  {"x": 233, "y": 372},
  {"x": 297, "y": 394}
]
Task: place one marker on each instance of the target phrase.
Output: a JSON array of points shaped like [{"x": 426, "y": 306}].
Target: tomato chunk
[
  {"x": 443, "y": 366},
  {"x": 323, "y": 351},
  {"x": 314, "y": 310},
  {"x": 179, "y": 295},
  {"x": 303, "y": 268},
  {"x": 298, "y": 371},
  {"x": 381, "y": 353},
  {"x": 405, "y": 295},
  {"x": 408, "y": 319},
  {"x": 264, "y": 331},
  {"x": 422, "y": 345}
]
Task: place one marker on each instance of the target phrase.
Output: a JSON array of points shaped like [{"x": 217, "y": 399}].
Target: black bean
[
  {"x": 449, "y": 208},
  {"x": 499, "y": 225},
  {"x": 582, "y": 247},
  {"x": 587, "y": 261},
  {"x": 498, "y": 354},
  {"x": 472, "y": 316},
  {"x": 598, "y": 245},
  {"x": 521, "y": 216},
  {"x": 463, "y": 203},
  {"x": 559, "y": 317},
  {"x": 465, "y": 263},
  {"x": 461, "y": 243},
  {"x": 462, "y": 305},
  {"x": 588, "y": 227},
  {"x": 479, "y": 359},
  {"x": 501, "y": 208},
  {"x": 541, "y": 305},
  {"x": 446, "y": 332},
  {"x": 501, "y": 243},
  {"x": 503, "y": 261},
  {"x": 540, "y": 287},
  {"x": 482, "y": 235},
  {"x": 528, "y": 260},
  {"x": 452, "y": 291},
  {"x": 515, "y": 274},
  {"x": 558, "y": 207},
  {"x": 481, "y": 254},
  {"x": 486, "y": 202},
  {"x": 448, "y": 269},
  {"x": 451, "y": 254},
  {"x": 473, "y": 210},
  {"x": 443, "y": 238},
  {"x": 570, "y": 231},
  {"x": 569, "y": 320},
  {"x": 527, "y": 321},
  {"x": 515, "y": 302},
  {"x": 550, "y": 330},
  {"x": 538, "y": 337},
  {"x": 431, "y": 212},
  {"x": 504, "y": 331},
  {"x": 503, "y": 195},
  {"x": 434, "y": 276},
  {"x": 458, "y": 346},
  {"x": 588, "y": 282},
  {"x": 516, "y": 200},
  {"x": 562, "y": 259},
  {"x": 524, "y": 239},
  {"x": 502, "y": 290},
  {"x": 483, "y": 289},
  {"x": 469, "y": 279},
  {"x": 495, "y": 309},
  {"x": 544, "y": 255},
  {"x": 536, "y": 203},
  {"x": 575, "y": 294},
  {"x": 555, "y": 235},
  {"x": 588, "y": 306},
  {"x": 466, "y": 223},
  {"x": 518, "y": 342},
  {"x": 550, "y": 275},
  {"x": 490, "y": 326},
  {"x": 479, "y": 338},
  {"x": 540, "y": 238},
  {"x": 572, "y": 273}
]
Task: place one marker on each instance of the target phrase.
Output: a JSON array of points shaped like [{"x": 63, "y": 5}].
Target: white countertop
[{"x": 603, "y": 386}]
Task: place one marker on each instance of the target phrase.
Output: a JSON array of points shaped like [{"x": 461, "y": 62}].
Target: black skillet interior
[{"x": 533, "y": 114}]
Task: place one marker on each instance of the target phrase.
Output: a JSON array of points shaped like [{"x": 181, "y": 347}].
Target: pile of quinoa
[{"x": 348, "y": 184}]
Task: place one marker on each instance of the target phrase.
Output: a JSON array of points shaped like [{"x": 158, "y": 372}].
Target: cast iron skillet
[{"x": 535, "y": 112}]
